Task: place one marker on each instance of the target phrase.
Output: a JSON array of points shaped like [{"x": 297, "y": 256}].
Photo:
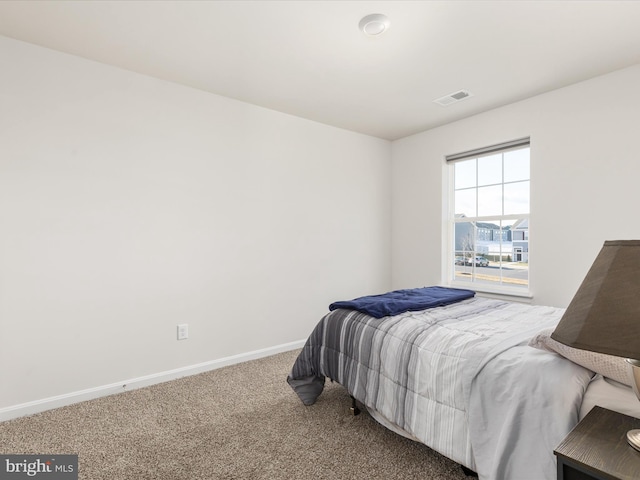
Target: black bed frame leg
[
  {"x": 468, "y": 472},
  {"x": 354, "y": 408}
]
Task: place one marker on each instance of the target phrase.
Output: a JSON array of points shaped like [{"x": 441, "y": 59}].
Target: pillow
[{"x": 609, "y": 366}]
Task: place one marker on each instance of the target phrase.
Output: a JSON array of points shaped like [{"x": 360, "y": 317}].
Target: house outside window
[{"x": 489, "y": 218}]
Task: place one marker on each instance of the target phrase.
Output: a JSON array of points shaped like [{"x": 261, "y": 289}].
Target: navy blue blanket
[{"x": 400, "y": 301}]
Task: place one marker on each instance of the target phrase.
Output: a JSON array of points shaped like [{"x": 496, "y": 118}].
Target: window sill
[{"x": 505, "y": 293}]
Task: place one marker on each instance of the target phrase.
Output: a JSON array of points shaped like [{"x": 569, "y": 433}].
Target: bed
[{"x": 460, "y": 376}]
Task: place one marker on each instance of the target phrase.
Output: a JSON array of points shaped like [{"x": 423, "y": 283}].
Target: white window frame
[{"x": 450, "y": 221}]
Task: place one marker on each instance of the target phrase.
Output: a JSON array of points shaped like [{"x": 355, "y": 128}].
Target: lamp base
[{"x": 633, "y": 438}]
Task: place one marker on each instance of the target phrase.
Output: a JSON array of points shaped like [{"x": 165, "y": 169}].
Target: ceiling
[{"x": 308, "y": 58}]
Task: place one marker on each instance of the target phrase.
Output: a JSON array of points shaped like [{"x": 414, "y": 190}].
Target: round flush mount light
[{"x": 374, "y": 24}]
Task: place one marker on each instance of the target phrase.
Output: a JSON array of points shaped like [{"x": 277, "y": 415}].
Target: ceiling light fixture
[{"x": 374, "y": 24}]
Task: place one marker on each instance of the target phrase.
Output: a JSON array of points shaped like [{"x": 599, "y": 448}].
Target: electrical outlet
[{"x": 183, "y": 331}]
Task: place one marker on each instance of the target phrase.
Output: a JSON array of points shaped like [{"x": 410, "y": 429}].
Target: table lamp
[{"x": 604, "y": 314}]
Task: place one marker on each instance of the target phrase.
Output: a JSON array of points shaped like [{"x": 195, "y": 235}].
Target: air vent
[{"x": 453, "y": 97}]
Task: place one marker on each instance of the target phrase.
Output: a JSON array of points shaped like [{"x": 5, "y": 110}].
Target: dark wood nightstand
[{"x": 597, "y": 448}]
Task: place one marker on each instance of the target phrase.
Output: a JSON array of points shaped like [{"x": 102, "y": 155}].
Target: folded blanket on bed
[{"x": 400, "y": 301}]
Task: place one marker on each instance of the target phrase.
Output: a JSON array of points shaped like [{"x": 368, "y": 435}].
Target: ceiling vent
[{"x": 453, "y": 97}]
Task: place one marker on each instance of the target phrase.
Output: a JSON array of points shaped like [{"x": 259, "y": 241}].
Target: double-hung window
[{"x": 489, "y": 218}]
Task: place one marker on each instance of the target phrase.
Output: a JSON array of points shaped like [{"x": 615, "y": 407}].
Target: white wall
[
  {"x": 129, "y": 205},
  {"x": 585, "y": 168}
]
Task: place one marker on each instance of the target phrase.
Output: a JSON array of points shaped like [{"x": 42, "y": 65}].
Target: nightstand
[{"x": 597, "y": 448}]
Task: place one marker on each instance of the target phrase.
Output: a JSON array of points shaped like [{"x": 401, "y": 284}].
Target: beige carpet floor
[{"x": 237, "y": 422}]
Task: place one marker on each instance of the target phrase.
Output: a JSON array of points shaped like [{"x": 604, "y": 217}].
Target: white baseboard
[{"x": 49, "y": 403}]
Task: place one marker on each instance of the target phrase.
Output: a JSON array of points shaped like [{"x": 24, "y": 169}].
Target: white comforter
[{"x": 522, "y": 404}]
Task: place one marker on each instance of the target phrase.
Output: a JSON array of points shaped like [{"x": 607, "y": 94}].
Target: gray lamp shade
[{"x": 604, "y": 315}]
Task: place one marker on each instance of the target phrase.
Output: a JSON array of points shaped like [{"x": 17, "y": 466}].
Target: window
[{"x": 489, "y": 218}]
